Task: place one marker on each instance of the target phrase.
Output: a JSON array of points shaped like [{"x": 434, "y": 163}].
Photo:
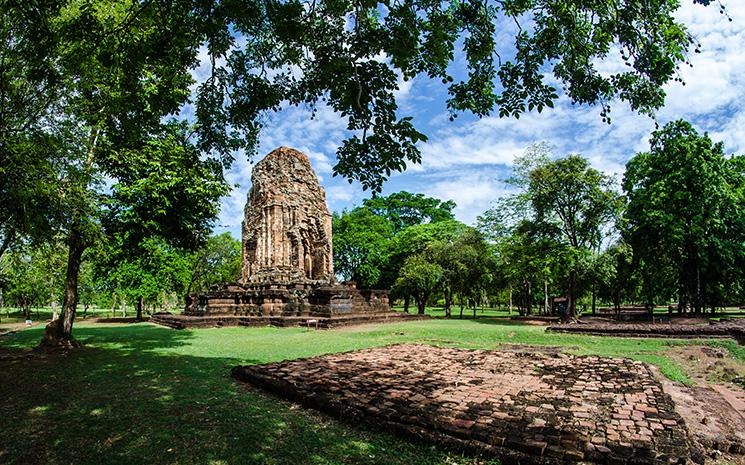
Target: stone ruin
[
  {"x": 288, "y": 268},
  {"x": 287, "y": 227}
]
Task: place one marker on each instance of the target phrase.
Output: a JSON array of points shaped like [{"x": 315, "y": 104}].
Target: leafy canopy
[
  {"x": 349, "y": 55},
  {"x": 404, "y": 209},
  {"x": 686, "y": 213}
]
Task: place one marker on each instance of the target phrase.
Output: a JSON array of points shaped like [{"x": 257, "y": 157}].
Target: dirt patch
[
  {"x": 522, "y": 407},
  {"x": 707, "y": 364},
  {"x": 714, "y": 407}
]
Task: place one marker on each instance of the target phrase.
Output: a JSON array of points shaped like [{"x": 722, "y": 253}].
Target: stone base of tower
[{"x": 290, "y": 304}]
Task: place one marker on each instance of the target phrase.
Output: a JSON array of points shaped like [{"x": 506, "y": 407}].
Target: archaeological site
[{"x": 288, "y": 268}]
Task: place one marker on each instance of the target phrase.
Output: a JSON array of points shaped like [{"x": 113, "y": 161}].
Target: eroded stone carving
[{"x": 286, "y": 226}]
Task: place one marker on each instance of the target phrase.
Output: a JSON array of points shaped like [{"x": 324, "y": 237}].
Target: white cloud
[
  {"x": 473, "y": 190},
  {"x": 466, "y": 160}
]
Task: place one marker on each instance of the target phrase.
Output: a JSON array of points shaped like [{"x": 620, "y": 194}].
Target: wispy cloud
[{"x": 466, "y": 160}]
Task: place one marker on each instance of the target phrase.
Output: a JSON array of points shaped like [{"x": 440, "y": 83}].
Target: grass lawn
[
  {"x": 44, "y": 314},
  {"x": 145, "y": 394}
]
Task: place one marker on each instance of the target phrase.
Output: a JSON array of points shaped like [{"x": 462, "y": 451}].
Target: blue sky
[{"x": 467, "y": 160}]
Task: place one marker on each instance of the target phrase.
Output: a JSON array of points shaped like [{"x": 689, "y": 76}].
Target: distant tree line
[
  {"x": 672, "y": 231},
  {"x": 32, "y": 275}
]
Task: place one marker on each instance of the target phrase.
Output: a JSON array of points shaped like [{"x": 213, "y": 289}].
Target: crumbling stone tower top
[{"x": 286, "y": 225}]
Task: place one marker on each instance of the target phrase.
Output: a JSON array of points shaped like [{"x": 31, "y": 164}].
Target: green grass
[
  {"x": 146, "y": 394},
  {"x": 43, "y": 314}
]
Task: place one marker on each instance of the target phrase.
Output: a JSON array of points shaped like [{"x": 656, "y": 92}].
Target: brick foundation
[{"x": 519, "y": 407}]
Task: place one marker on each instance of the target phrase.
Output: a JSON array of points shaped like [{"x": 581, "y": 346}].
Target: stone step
[{"x": 186, "y": 321}]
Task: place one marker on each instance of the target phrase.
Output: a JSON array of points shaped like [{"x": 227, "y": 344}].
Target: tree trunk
[
  {"x": 113, "y": 304},
  {"x": 407, "y": 301},
  {"x": 546, "y": 309},
  {"x": 528, "y": 298},
  {"x": 421, "y": 303},
  {"x": 140, "y": 303},
  {"x": 448, "y": 302},
  {"x": 54, "y": 306},
  {"x": 698, "y": 289},
  {"x": 58, "y": 333},
  {"x": 571, "y": 312},
  {"x": 594, "y": 297},
  {"x": 510, "y": 309}
]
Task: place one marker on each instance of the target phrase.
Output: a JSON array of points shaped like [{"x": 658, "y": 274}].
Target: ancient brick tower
[
  {"x": 286, "y": 226},
  {"x": 287, "y": 276}
]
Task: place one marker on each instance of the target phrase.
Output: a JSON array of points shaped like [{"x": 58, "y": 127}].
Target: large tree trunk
[
  {"x": 546, "y": 309},
  {"x": 407, "y": 302},
  {"x": 140, "y": 303},
  {"x": 58, "y": 333},
  {"x": 571, "y": 312}
]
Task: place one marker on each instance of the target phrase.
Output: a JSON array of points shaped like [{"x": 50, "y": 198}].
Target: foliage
[
  {"x": 217, "y": 261},
  {"x": 418, "y": 277},
  {"x": 414, "y": 240},
  {"x": 155, "y": 273},
  {"x": 615, "y": 274},
  {"x": 686, "y": 216},
  {"x": 548, "y": 230},
  {"x": 468, "y": 267},
  {"x": 330, "y": 52},
  {"x": 404, "y": 209},
  {"x": 361, "y": 238}
]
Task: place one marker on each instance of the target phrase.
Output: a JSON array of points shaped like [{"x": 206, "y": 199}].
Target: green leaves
[
  {"x": 348, "y": 55},
  {"x": 404, "y": 209},
  {"x": 361, "y": 240},
  {"x": 685, "y": 214},
  {"x": 164, "y": 189}
]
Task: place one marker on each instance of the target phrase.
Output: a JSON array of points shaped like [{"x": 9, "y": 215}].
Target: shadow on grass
[{"x": 124, "y": 398}]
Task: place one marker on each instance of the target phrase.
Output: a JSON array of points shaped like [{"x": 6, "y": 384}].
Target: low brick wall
[
  {"x": 216, "y": 321},
  {"x": 527, "y": 408},
  {"x": 728, "y": 329}
]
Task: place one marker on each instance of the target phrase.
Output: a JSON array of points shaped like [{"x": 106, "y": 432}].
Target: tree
[
  {"x": 573, "y": 202},
  {"x": 553, "y": 223},
  {"x": 218, "y": 261},
  {"x": 150, "y": 276},
  {"x": 616, "y": 274},
  {"x": 467, "y": 267},
  {"x": 102, "y": 77},
  {"x": 23, "y": 282},
  {"x": 331, "y": 52},
  {"x": 686, "y": 214},
  {"x": 419, "y": 277},
  {"x": 29, "y": 94},
  {"x": 404, "y": 209},
  {"x": 361, "y": 239},
  {"x": 161, "y": 189},
  {"x": 415, "y": 240}
]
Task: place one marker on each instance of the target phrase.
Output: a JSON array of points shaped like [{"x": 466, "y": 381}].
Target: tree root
[{"x": 54, "y": 337}]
